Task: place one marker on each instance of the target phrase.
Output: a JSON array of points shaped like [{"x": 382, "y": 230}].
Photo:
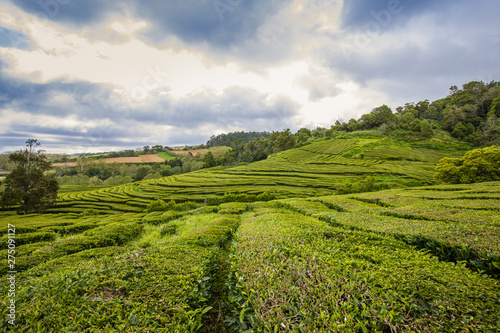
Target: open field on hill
[
  {"x": 148, "y": 158},
  {"x": 217, "y": 151},
  {"x": 186, "y": 152},
  {"x": 166, "y": 156},
  {"x": 331, "y": 263}
]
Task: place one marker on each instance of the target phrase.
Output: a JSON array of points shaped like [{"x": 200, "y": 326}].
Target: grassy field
[
  {"x": 148, "y": 158},
  {"x": 265, "y": 247},
  {"x": 166, "y": 156}
]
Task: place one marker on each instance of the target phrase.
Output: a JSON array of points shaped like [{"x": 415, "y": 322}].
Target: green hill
[
  {"x": 268, "y": 246},
  {"x": 325, "y": 167}
]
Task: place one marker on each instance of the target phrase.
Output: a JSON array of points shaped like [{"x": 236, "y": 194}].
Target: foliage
[
  {"x": 461, "y": 114},
  {"x": 291, "y": 273},
  {"x": 230, "y": 138},
  {"x": 123, "y": 288},
  {"x": 160, "y": 206},
  {"x": 209, "y": 160},
  {"x": 479, "y": 165},
  {"x": 27, "y": 185}
]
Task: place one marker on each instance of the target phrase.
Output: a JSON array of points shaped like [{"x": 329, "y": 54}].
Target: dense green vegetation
[
  {"x": 350, "y": 163},
  {"x": 479, "y": 165},
  {"x": 27, "y": 186},
  {"x": 230, "y": 139},
  {"x": 470, "y": 114},
  {"x": 334, "y": 263},
  {"x": 291, "y": 273}
]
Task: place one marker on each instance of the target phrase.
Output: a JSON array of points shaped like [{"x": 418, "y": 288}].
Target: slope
[{"x": 320, "y": 168}]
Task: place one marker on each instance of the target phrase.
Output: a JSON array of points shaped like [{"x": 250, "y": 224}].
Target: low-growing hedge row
[
  {"x": 292, "y": 273},
  {"x": 27, "y": 238},
  {"x": 449, "y": 233},
  {"x": 163, "y": 289}
]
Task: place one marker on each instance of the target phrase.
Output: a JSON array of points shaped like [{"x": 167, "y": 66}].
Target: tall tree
[
  {"x": 209, "y": 160},
  {"x": 27, "y": 185}
]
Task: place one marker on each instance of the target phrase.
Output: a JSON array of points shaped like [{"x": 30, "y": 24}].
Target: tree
[
  {"x": 426, "y": 129},
  {"x": 495, "y": 106},
  {"x": 452, "y": 115},
  {"x": 27, "y": 185},
  {"x": 142, "y": 172},
  {"x": 284, "y": 141},
  {"x": 209, "y": 160},
  {"x": 478, "y": 165},
  {"x": 490, "y": 131},
  {"x": 381, "y": 115}
]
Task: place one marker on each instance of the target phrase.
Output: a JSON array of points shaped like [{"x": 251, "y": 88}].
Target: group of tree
[
  {"x": 470, "y": 114},
  {"x": 27, "y": 185},
  {"x": 479, "y": 165},
  {"x": 228, "y": 139},
  {"x": 260, "y": 147}
]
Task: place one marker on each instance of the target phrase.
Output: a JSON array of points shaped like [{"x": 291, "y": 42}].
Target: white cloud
[{"x": 291, "y": 58}]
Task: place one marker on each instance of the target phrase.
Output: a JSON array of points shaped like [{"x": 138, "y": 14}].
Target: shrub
[
  {"x": 33, "y": 237},
  {"x": 169, "y": 229},
  {"x": 479, "y": 165}
]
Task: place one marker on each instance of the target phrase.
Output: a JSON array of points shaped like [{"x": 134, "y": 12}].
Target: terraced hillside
[
  {"x": 332, "y": 263},
  {"x": 264, "y": 247},
  {"x": 317, "y": 169}
]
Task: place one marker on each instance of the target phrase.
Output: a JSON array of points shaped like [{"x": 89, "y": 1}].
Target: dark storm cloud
[
  {"x": 357, "y": 13},
  {"x": 433, "y": 50},
  {"x": 86, "y": 98},
  {"x": 74, "y": 12},
  {"x": 220, "y": 23}
]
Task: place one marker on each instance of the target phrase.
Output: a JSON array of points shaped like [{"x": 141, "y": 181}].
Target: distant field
[
  {"x": 149, "y": 158},
  {"x": 194, "y": 152},
  {"x": 217, "y": 151},
  {"x": 166, "y": 156}
]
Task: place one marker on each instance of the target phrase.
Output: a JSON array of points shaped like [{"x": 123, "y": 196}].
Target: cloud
[
  {"x": 75, "y": 13},
  {"x": 122, "y": 74},
  {"x": 358, "y": 14},
  {"x": 94, "y": 116},
  {"x": 432, "y": 51}
]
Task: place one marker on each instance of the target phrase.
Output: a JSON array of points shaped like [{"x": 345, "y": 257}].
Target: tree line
[{"x": 470, "y": 114}]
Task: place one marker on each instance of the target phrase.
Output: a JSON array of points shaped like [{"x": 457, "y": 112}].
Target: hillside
[
  {"x": 333, "y": 263},
  {"x": 267, "y": 246},
  {"x": 320, "y": 168}
]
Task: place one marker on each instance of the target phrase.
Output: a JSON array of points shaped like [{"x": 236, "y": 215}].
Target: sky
[{"x": 103, "y": 75}]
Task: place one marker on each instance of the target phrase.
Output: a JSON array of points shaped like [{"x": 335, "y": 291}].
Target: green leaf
[
  {"x": 496, "y": 264},
  {"x": 242, "y": 315},
  {"x": 208, "y": 308}
]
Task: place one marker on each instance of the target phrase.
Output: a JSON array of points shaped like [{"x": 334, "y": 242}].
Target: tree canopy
[
  {"x": 478, "y": 165},
  {"x": 27, "y": 185}
]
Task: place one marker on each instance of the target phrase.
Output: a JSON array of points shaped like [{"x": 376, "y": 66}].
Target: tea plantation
[{"x": 265, "y": 247}]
